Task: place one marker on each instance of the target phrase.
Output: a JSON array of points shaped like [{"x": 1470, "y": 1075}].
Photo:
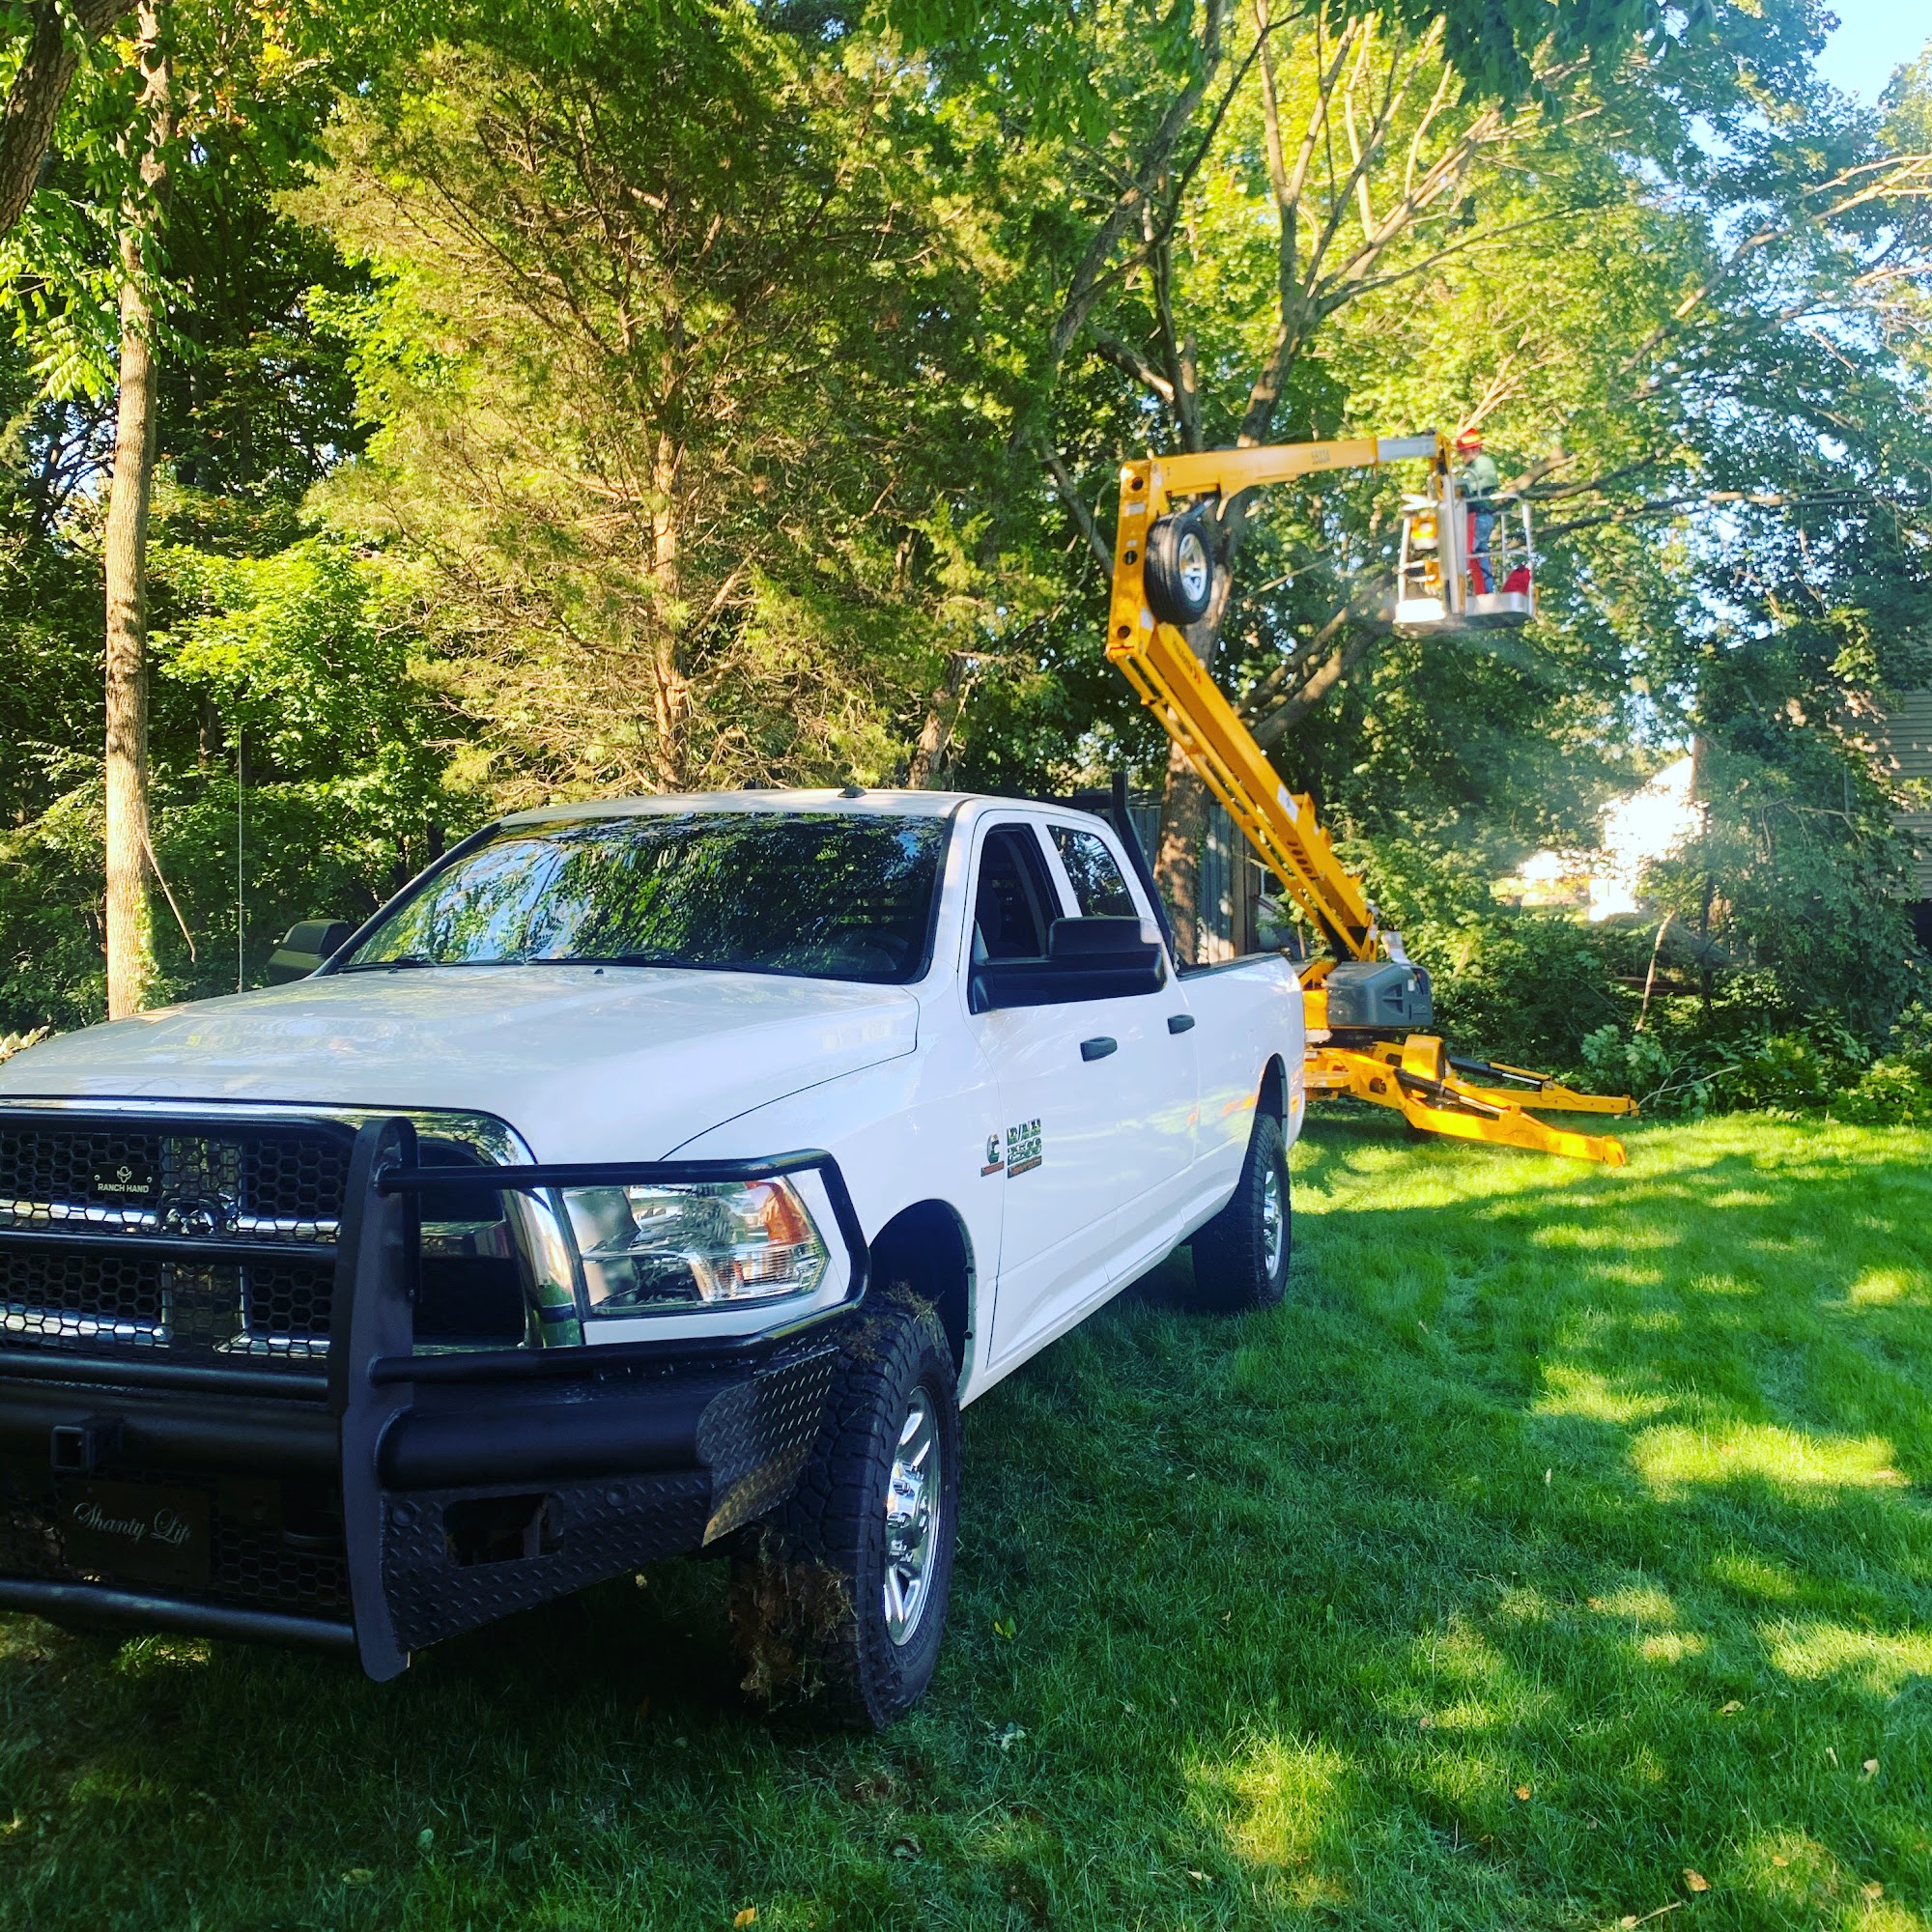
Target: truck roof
[{"x": 886, "y": 803}]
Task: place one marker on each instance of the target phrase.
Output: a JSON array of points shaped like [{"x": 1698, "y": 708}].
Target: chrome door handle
[
  {"x": 1180, "y": 1022},
  {"x": 1100, "y": 1048}
]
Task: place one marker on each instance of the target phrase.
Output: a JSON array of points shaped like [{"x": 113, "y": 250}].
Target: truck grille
[
  {"x": 269, "y": 1182},
  {"x": 69, "y": 1185}
]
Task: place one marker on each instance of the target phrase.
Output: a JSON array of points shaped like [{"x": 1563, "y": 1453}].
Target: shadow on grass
[{"x": 1566, "y": 1530}]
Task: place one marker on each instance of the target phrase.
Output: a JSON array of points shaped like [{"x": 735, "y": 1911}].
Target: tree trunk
[
  {"x": 670, "y": 688},
  {"x": 130, "y": 935},
  {"x": 1177, "y": 867},
  {"x": 40, "y": 85},
  {"x": 933, "y": 758}
]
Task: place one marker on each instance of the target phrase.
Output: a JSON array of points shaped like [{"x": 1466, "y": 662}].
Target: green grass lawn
[{"x": 1569, "y": 1531}]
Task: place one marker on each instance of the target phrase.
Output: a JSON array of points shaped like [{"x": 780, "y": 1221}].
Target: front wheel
[
  {"x": 1240, "y": 1257},
  {"x": 840, "y": 1597}
]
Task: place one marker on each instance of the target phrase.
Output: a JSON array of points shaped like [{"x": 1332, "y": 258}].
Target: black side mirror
[
  {"x": 307, "y": 945},
  {"x": 1086, "y": 960}
]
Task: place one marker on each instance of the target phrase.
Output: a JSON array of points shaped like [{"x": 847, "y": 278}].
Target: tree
[
  {"x": 250, "y": 401},
  {"x": 736, "y": 393},
  {"x": 55, "y": 35},
  {"x": 130, "y": 842},
  {"x": 1548, "y": 267},
  {"x": 665, "y": 306}
]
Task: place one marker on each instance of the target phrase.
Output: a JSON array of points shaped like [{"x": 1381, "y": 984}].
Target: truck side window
[
  {"x": 1098, "y": 889},
  {"x": 1014, "y": 903}
]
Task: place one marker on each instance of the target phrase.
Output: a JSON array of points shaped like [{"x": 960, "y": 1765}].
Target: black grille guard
[{"x": 367, "y": 1382}]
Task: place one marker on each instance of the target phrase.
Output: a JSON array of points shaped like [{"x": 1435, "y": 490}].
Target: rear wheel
[
  {"x": 1240, "y": 1257},
  {"x": 840, "y": 1597}
]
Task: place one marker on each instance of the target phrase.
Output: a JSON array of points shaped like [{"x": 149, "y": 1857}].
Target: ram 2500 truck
[{"x": 647, "y": 1176}]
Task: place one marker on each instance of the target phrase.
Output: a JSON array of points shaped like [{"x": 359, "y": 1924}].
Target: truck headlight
[{"x": 649, "y": 1250}]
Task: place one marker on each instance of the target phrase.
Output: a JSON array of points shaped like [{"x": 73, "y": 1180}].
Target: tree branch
[
  {"x": 1256, "y": 701},
  {"x": 1129, "y": 360},
  {"x": 1314, "y": 690},
  {"x": 1069, "y": 493},
  {"x": 1096, "y": 266},
  {"x": 40, "y": 85}
]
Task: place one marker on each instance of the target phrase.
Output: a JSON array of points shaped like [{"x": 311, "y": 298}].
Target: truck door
[
  {"x": 1058, "y": 1148},
  {"x": 1154, "y": 1086}
]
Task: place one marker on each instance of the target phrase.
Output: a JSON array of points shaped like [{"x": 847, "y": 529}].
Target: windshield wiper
[{"x": 383, "y": 965}]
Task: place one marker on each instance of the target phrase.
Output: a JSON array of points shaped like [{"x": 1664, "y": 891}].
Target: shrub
[
  {"x": 1526, "y": 988},
  {"x": 1791, "y": 1072},
  {"x": 1890, "y": 1094},
  {"x": 1680, "y": 1080},
  {"x": 1896, "y": 1089}
]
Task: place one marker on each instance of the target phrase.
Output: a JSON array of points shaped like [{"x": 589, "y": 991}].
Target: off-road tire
[
  {"x": 808, "y": 1599},
  {"x": 1231, "y": 1260},
  {"x": 1180, "y": 568}
]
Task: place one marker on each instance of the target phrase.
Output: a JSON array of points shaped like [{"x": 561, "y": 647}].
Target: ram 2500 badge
[{"x": 647, "y": 1176}]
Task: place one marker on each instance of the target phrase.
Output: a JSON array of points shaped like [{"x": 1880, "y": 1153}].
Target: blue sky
[{"x": 1873, "y": 36}]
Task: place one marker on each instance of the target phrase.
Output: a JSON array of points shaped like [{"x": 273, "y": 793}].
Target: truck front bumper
[{"x": 394, "y": 1498}]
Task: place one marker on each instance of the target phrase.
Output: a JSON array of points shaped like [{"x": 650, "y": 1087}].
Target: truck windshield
[{"x": 824, "y": 895}]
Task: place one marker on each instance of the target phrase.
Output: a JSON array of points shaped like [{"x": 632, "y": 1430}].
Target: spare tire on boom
[{"x": 1179, "y": 573}]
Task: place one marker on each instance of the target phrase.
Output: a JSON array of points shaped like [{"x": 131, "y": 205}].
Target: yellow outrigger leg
[{"x": 1436, "y": 1094}]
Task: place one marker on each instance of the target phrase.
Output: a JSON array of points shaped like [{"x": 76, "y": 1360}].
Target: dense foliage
[{"x": 560, "y": 399}]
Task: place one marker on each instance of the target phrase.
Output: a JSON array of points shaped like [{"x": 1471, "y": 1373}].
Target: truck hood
[{"x": 627, "y": 1063}]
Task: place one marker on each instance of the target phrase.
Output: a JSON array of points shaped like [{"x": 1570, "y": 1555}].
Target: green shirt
[{"x": 1480, "y": 475}]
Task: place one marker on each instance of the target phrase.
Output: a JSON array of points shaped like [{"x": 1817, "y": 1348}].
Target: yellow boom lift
[{"x": 1464, "y": 562}]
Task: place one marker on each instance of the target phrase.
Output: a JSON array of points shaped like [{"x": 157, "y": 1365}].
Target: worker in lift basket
[{"x": 1478, "y": 479}]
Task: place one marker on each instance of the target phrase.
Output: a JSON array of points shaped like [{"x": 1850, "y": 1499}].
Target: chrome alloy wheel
[
  {"x": 1196, "y": 569},
  {"x": 1275, "y": 1220},
  {"x": 912, "y": 1519}
]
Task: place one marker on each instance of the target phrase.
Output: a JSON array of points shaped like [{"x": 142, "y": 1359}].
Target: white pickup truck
[{"x": 647, "y": 1176}]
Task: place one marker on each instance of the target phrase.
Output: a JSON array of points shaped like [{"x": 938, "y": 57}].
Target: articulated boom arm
[
  {"x": 1280, "y": 824},
  {"x": 1468, "y": 1099},
  {"x": 1175, "y": 684}
]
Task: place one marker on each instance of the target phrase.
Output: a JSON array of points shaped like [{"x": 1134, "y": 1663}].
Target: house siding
[{"x": 1904, "y": 753}]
